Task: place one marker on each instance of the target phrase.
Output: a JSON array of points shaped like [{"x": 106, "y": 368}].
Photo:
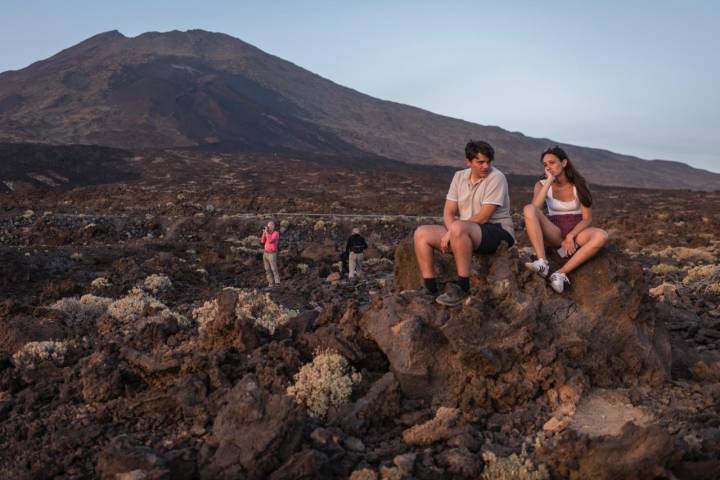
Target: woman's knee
[
  {"x": 598, "y": 238},
  {"x": 601, "y": 237}
]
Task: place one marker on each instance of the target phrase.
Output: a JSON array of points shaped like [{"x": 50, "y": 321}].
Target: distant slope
[
  {"x": 27, "y": 166},
  {"x": 193, "y": 88}
]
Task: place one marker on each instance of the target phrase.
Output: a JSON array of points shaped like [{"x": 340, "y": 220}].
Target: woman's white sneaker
[
  {"x": 558, "y": 281},
  {"x": 539, "y": 266}
]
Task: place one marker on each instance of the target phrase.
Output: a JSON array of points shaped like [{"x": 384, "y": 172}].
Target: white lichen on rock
[
  {"x": 33, "y": 352},
  {"x": 157, "y": 283},
  {"x": 87, "y": 308},
  {"x": 326, "y": 381}
]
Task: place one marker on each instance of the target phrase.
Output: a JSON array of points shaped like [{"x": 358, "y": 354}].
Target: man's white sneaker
[
  {"x": 539, "y": 266},
  {"x": 558, "y": 281}
]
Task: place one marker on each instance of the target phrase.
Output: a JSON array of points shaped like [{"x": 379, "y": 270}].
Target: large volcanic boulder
[
  {"x": 253, "y": 433},
  {"x": 514, "y": 337},
  {"x": 606, "y": 438}
]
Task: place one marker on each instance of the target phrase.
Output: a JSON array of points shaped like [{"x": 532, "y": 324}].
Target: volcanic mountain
[{"x": 210, "y": 90}]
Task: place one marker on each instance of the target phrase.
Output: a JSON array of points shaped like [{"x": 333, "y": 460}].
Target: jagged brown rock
[
  {"x": 636, "y": 452},
  {"x": 226, "y": 328},
  {"x": 514, "y": 336},
  {"x": 252, "y": 435}
]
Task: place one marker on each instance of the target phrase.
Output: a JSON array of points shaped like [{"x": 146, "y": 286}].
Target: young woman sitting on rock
[{"x": 567, "y": 197}]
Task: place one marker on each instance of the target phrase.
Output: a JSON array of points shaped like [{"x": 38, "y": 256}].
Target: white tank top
[{"x": 560, "y": 207}]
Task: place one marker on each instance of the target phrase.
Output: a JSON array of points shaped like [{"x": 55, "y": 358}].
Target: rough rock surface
[
  {"x": 514, "y": 336},
  {"x": 515, "y": 382},
  {"x": 253, "y": 433}
]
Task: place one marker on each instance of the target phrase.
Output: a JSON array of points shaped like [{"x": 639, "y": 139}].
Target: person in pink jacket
[{"x": 270, "y": 239}]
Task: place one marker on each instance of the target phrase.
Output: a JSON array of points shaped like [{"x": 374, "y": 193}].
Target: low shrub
[
  {"x": 138, "y": 303},
  {"x": 325, "y": 382},
  {"x": 701, "y": 273},
  {"x": 663, "y": 269},
  {"x": 87, "y": 308},
  {"x": 252, "y": 305},
  {"x": 100, "y": 283},
  {"x": 156, "y": 283},
  {"x": 511, "y": 468},
  {"x": 33, "y": 352},
  {"x": 693, "y": 254}
]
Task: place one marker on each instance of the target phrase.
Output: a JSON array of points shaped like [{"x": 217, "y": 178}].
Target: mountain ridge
[{"x": 180, "y": 89}]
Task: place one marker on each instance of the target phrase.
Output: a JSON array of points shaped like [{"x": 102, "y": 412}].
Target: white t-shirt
[{"x": 492, "y": 189}]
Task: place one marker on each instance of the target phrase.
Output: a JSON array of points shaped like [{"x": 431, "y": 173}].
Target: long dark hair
[{"x": 572, "y": 175}]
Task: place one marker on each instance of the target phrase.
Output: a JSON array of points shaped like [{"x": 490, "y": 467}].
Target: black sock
[
  {"x": 464, "y": 283},
  {"x": 431, "y": 285}
]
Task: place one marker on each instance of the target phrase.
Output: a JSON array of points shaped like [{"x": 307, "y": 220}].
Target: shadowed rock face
[
  {"x": 514, "y": 337},
  {"x": 179, "y": 89},
  {"x": 249, "y": 426}
]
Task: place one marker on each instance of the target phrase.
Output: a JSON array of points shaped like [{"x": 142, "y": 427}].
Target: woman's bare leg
[
  {"x": 540, "y": 230},
  {"x": 591, "y": 240}
]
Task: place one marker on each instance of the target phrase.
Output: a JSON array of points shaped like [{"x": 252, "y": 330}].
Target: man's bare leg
[
  {"x": 427, "y": 238},
  {"x": 465, "y": 237}
]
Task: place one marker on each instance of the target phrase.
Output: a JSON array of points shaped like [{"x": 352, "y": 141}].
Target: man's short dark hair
[{"x": 478, "y": 146}]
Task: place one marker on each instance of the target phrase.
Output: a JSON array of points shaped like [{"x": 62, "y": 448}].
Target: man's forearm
[
  {"x": 484, "y": 215},
  {"x": 479, "y": 218},
  {"x": 448, "y": 219}
]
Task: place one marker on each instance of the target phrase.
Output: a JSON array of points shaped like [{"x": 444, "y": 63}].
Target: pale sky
[{"x": 634, "y": 77}]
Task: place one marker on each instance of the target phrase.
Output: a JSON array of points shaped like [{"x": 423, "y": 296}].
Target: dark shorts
[
  {"x": 492, "y": 235},
  {"x": 565, "y": 222}
]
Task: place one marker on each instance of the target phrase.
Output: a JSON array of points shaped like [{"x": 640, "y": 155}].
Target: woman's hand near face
[{"x": 549, "y": 175}]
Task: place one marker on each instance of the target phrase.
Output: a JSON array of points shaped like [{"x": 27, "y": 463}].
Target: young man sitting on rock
[{"x": 476, "y": 219}]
